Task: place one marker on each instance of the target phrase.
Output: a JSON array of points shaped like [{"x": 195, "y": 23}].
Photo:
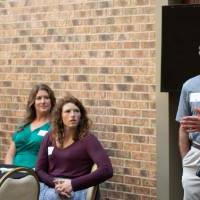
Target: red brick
[{"x": 104, "y": 53}]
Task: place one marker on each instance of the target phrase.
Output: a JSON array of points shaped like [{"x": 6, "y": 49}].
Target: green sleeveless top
[{"x": 27, "y": 144}]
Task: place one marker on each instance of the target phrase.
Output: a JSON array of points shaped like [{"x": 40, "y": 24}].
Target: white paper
[
  {"x": 50, "y": 150},
  {"x": 42, "y": 132},
  {"x": 195, "y": 97},
  {"x": 3, "y": 169}
]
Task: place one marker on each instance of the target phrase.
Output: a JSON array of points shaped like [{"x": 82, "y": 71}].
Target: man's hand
[{"x": 191, "y": 123}]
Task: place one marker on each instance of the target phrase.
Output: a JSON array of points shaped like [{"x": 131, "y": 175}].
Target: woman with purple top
[{"x": 67, "y": 155}]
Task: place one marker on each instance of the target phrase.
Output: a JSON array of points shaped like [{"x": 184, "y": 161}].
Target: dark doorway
[{"x": 175, "y": 162}]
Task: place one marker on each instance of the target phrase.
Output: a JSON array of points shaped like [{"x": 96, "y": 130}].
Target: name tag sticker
[
  {"x": 50, "y": 150},
  {"x": 42, "y": 132},
  {"x": 195, "y": 97}
]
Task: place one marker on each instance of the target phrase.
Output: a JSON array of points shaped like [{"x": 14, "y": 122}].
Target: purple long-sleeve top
[{"x": 74, "y": 162}]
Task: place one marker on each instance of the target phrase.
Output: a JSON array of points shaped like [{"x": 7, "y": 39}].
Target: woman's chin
[{"x": 44, "y": 111}]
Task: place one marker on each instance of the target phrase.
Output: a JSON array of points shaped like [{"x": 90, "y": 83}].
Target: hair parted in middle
[
  {"x": 30, "y": 107},
  {"x": 58, "y": 125}
]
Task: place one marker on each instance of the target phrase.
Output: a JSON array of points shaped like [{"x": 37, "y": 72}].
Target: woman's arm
[
  {"x": 10, "y": 154},
  {"x": 42, "y": 163},
  {"x": 99, "y": 156}
]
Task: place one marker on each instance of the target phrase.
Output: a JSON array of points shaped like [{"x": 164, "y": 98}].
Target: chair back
[
  {"x": 92, "y": 191},
  {"x": 25, "y": 188}
]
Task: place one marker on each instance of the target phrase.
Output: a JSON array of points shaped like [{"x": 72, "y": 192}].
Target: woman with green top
[{"x": 26, "y": 140}]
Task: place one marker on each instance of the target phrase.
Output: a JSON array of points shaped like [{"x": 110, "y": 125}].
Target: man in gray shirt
[{"x": 188, "y": 115}]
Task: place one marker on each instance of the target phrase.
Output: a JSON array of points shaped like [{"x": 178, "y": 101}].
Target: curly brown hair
[{"x": 57, "y": 122}]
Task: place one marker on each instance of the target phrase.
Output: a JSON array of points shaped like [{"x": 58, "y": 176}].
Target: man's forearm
[{"x": 184, "y": 142}]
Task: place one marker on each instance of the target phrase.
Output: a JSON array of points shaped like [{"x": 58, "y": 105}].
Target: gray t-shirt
[{"x": 189, "y": 101}]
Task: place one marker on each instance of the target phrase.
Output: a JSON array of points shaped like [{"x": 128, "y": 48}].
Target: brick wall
[{"x": 103, "y": 52}]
